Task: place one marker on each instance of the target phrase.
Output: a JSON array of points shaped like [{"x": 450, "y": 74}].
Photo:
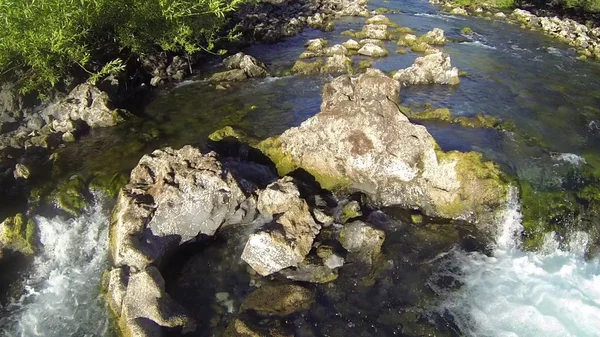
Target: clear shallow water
[
  {"x": 513, "y": 74},
  {"x": 61, "y": 296}
]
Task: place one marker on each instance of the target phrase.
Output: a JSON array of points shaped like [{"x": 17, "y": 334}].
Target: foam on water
[
  {"x": 62, "y": 293},
  {"x": 553, "y": 292},
  {"x": 478, "y": 44}
]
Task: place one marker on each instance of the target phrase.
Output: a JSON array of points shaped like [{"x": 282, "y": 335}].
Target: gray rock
[
  {"x": 250, "y": 65},
  {"x": 316, "y": 45},
  {"x": 337, "y": 64},
  {"x": 172, "y": 196},
  {"x": 362, "y": 240},
  {"x": 360, "y": 141},
  {"x": 434, "y": 37},
  {"x": 337, "y": 49},
  {"x": 351, "y": 45},
  {"x": 229, "y": 76},
  {"x": 429, "y": 69},
  {"x": 287, "y": 239},
  {"x": 21, "y": 171},
  {"x": 142, "y": 305},
  {"x": 378, "y": 32},
  {"x": 372, "y": 50}
]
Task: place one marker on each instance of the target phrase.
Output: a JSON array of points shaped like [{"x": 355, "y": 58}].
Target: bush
[{"x": 43, "y": 43}]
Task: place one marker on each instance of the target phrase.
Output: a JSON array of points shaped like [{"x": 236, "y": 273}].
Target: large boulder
[
  {"x": 248, "y": 64},
  {"x": 86, "y": 103},
  {"x": 172, "y": 197},
  {"x": 374, "y": 31},
  {"x": 433, "y": 68},
  {"x": 361, "y": 142},
  {"x": 285, "y": 240}
]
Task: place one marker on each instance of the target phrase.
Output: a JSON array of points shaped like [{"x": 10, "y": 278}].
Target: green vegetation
[
  {"x": 467, "y": 31},
  {"x": 18, "y": 234},
  {"x": 486, "y": 3},
  {"x": 48, "y": 43}
]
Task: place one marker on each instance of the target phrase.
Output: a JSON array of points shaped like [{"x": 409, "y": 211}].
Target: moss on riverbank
[{"x": 18, "y": 234}]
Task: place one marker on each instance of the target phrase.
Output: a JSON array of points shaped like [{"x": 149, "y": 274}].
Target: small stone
[
  {"x": 351, "y": 45},
  {"x": 416, "y": 219},
  {"x": 372, "y": 50},
  {"x": 68, "y": 137},
  {"x": 156, "y": 81},
  {"x": 362, "y": 239},
  {"x": 22, "y": 172},
  {"x": 459, "y": 11},
  {"x": 500, "y": 15},
  {"x": 334, "y": 261}
]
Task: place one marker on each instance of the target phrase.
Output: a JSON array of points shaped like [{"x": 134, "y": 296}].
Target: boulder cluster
[{"x": 359, "y": 144}]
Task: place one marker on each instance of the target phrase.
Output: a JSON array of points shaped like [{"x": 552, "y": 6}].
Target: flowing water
[{"x": 435, "y": 278}]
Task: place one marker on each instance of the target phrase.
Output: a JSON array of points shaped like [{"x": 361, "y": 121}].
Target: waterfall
[
  {"x": 61, "y": 295},
  {"x": 550, "y": 292}
]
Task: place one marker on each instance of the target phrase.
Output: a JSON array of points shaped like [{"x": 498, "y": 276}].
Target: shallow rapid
[
  {"x": 553, "y": 292},
  {"x": 62, "y": 293}
]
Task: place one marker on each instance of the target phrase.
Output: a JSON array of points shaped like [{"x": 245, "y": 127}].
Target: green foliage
[
  {"x": 43, "y": 43},
  {"x": 486, "y": 3},
  {"x": 584, "y": 5}
]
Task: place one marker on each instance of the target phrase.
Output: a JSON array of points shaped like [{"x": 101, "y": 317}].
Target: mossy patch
[
  {"x": 70, "y": 196},
  {"x": 18, "y": 234},
  {"x": 466, "y": 31},
  {"x": 444, "y": 115},
  {"x": 308, "y": 68},
  {"x": 483, "y": 186},
  {"x": 363, "y": 65},
  {"x": 109, "y": 184}
]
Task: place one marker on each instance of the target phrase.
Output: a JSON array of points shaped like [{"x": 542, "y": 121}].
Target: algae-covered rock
[
  {"x": 229, "y": 76},
  {"x": 379, "y": 20},
  {"x": 466, "y": 31},
  {"x": 337, "y": 49},
  {"x": 351, "y": 45},
  {"x": 279, "y": 300},
  {"x": 338, "y": 64},
  {"x": 109, "y": 184},
  {"x": 248, "y": 64},
  {"x": 434, "y": 37},
  {"x": 308, "y": 67},
  {"x": 242, "y": 328},
  {"x": 361, "y": 142},
  {"x": 363, "y": 65},
  {"x": 350, "y": 210},
  {"x": 17, "y": 233},
  {"x": 316, "y": 45},
  {"x": 70, "y": 196},
  {"x": 363, "y": 240},
  {"x": 373, "y": 31}
]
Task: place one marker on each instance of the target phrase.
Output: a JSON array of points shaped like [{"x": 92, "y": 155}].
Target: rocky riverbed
[{"x": 349, "y": 183}]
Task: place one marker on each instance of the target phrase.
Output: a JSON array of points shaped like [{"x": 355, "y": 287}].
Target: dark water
[{"x": 514, "y": 74}]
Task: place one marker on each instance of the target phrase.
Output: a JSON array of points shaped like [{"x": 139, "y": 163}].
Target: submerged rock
[
  {"x": 361, "y": 142},
  {"x": 287, "y": 239},
  {"x": 278, "y": 300},
  {"x": 362, "y": 240},
  {"x": 434, "y": 68}
]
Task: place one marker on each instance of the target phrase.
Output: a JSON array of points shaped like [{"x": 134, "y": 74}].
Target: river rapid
[{"x": 454, "y": 290}]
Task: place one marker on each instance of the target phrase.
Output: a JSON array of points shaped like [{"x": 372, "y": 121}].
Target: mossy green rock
[
  {"x": 308, "y": 67},
  {"x": 279, "y": 300},
  {"x": 17, "y": 233},
  {"x": 70, "y": 196}
]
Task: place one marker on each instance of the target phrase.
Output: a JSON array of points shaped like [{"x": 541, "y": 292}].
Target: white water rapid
[
  {"x": 512, "y": 293},
  {"x": 61, "y": 294}
]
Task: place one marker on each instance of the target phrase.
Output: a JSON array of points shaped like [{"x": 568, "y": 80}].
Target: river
[{"x": 448, "y": 288}]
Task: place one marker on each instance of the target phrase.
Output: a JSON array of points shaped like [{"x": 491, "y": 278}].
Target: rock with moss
[
  {"x": 376, "y": 42},
  {"x": 374, "y": 31},
  {"x": 434, "y": 68},
  {"x": 361, "y": 142},
  {"x": 350, "y": 211},
  {"x": 287, "y": 238},
  {"x": 362, "y": 240},
  {"x": 303, "y": 67},
  {"x": 434, "y": 37},
  {"x": 312, "y": 271},
  {"x": 229, "y": 76},
  {"x": 109, "y": 184},
  {"x": 338, "y": 64},
  {"x": 363, "y": 65},
  {"x": 278, "y": 300},
  {"x": 316, "y": 45},
  {"x": 351, "y": 45},
  {"x": 337, "y": 49},
  {"x": 17, "y": 233},
  {"x": 407, "y": 40},
  {"x": 372, "y": 50},
  {"x": 379, "y": 20},
  {"x": 70, "y": 196},
  {"x": 248, "y": 64},
  {"x": 422, "y": 47},
  {"x": 466, "y": 31}
]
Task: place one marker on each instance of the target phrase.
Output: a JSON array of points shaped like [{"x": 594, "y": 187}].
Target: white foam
[
  {"x": 570, "y": 158},
  {"x": 478, "y": 44},
  {"x": 62, "y": 293},
  {"x": 548, "y": 293}
]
